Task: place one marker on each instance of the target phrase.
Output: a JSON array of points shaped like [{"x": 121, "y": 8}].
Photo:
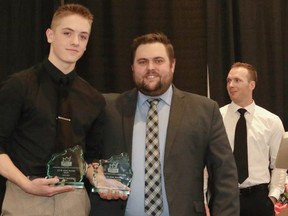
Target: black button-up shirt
[{"x": 28, "y": 111}]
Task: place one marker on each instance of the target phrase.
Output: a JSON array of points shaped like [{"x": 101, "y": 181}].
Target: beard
[
  {"x": 154, "y": 89},
  {"x": 152, "y": 83}
]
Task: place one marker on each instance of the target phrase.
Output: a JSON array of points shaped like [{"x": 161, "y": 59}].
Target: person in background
[
  {"x": 264, "y": 183},
  {"x": 28, "y": 121},
  {"x": 188, "y": 134}
]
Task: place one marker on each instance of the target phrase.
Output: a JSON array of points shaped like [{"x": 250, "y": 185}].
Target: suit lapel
[
  {"x": 175, "y": 118},
  {"x": 129, "y": 102},
  {"x": 128, "y": 106}
]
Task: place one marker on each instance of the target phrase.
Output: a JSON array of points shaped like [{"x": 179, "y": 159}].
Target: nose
[
  {"x": 75, "y": 40},
  {"x": 230, "y": 83},
  {"x": 150, "y": 65}
]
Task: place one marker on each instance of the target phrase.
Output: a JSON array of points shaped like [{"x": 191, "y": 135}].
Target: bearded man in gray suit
[{"x": 191, "y": 136}]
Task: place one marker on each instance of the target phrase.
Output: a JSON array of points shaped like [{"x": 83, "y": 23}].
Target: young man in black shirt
[{"x": 29, "y": 121}]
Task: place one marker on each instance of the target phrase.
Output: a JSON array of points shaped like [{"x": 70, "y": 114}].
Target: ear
[
  {"x": 252, "y": 85},
  {"x": 49, "y": 35},
  {"x": 172, "y": 65}
]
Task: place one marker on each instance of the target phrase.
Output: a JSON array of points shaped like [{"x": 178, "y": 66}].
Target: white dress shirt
[
  {"x": 135, "y": 204},
  {"x": 264, "y": 134}
]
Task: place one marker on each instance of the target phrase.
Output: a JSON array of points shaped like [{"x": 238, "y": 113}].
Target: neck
[
  {"x": 65, "y": 68},
  {"x": 244, "y": 103}
]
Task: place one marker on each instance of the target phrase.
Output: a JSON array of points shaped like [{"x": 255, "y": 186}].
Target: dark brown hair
[{"x": 152, "y": 38}]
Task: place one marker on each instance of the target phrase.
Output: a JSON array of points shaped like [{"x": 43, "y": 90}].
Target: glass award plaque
[
  {"x": 69, "y": 166},
  {"x": 115, "y": 168}
]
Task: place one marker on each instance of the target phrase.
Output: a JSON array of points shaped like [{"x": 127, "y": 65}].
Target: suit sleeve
[{"x": 223, "y": 183}]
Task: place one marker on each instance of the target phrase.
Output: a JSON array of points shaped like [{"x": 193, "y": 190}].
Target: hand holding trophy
[
  {"x": 113, "y": 174},
  {"x": 69, "y": 166}
]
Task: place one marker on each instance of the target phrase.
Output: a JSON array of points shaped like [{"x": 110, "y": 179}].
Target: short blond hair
[
  {"x": 71, "y": 9},
  {"x": 251, "y": 70}
]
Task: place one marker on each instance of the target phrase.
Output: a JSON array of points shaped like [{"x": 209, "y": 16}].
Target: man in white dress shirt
[{"x": 264, "y": 183}]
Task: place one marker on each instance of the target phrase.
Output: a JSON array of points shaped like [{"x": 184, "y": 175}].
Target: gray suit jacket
[{"x": 195, "y": 137}]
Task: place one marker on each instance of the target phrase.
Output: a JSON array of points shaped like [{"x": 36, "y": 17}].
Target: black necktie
[
  {"x": 64, "y": 133},
  {"x": 240, "y": 147}
]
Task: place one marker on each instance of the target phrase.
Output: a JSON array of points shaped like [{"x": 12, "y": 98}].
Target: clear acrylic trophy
[
  {"x": 69, "y": 166},
  {"x": 115, "y": 168}
]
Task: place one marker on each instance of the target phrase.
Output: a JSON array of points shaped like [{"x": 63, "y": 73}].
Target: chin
[
  {"x": 154, "y": 91},
  {"x": 72, "y": 61}
]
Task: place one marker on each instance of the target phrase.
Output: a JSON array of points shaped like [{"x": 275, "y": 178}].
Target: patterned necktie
[
  {"x": 240, "y": 147},
  {"x": 153, "y": 191},
  {"x": 64, "y": 133}
]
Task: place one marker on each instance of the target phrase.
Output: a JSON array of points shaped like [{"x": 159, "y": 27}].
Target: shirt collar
[
  {"x": 166, "y": 97},
  {"x": 57, "y": 75},
  {"x": 250, "y": 108}
]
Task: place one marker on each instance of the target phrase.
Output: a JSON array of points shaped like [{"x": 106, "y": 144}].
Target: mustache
[{"x": 151, "y": 73}]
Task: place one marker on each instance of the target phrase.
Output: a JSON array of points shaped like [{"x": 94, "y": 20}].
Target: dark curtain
[
  {"x": 22, "y": 33},
  {"x": 106, "y": 63},
  {"x": 254, "y": 32}
]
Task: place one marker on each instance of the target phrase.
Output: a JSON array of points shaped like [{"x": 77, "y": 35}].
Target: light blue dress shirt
[{"x": 135, "y": 204}]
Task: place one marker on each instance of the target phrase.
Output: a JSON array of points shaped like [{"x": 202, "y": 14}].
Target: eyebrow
[
  {"x": 83, "y": 32},
  {"x": 143, "y": 58}
]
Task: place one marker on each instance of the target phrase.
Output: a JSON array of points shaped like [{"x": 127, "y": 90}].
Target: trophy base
[
  {"x": 79, "y": 185},
  {"x": 121, "y": 191}
]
